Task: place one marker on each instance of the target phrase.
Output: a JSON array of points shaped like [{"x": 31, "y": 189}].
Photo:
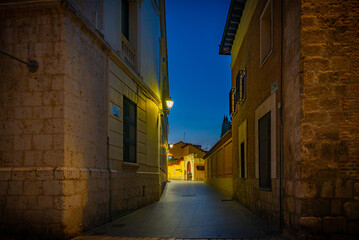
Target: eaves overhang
[{"x": 233, "y": 19}]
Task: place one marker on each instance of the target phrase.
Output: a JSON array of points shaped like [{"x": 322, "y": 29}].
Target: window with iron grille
[
  {"x": 129, "y": 129},
  {"x": 264, "y": 144},
  {"x": 240, "y": 93},
  {"x": 231, "y": 101}
]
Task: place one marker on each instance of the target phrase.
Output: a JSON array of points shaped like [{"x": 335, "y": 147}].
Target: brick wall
[{"x": 259, "y": 80}]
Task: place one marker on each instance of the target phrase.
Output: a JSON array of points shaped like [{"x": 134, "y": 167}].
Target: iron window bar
[{"x": 240, "y": 91}]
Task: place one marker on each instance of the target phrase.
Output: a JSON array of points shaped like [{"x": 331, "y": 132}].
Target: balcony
[{"x": 128, "y": 52}]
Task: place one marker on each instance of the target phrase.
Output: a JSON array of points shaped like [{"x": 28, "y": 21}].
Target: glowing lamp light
[
  {"x": 169, "y": 103},
  {"x": 171, "y": 145}
]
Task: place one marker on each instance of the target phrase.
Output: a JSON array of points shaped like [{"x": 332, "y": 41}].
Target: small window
[
  {"x": 243, "y": 170},
  {"x": 130, "y": 130},
  {"x": 126, "y": 19},
  {"x": 200, "y": 168},
  {"x": 99, "y": 15},
  {"x": 266, "y": 31},
  {"x": 264, "y": 144}
]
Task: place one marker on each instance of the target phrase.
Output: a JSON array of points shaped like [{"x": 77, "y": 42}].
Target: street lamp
[{"x": 169, "y": 103}]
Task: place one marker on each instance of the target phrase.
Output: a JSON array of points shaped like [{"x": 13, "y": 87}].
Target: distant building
[
  {"x": 84, "y": 138},
  {"x": 294, "y": 104},
  {"x": 176, "y": 170},
  {"x": 186, "y": 162}
]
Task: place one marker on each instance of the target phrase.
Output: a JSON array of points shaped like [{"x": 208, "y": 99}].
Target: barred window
[
  {"x": 240, "y": 94},
  {"x": 231, "y": 101}
]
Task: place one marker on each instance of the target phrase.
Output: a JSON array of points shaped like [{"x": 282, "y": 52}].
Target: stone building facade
[
  {"x": 65, "y": 162},
  {"x": 294, "y": 104},
  {"x": 218, "y": 165}
]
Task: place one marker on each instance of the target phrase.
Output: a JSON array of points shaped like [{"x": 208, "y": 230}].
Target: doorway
[{"x": 189, "y": 174}]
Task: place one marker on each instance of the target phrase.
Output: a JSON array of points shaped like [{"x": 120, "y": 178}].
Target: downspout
[
  {"x": 281, "y": 192},
  {"x": 108, "y": 146}
]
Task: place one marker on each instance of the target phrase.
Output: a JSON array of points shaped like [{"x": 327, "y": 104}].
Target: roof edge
[
  {"x": 226, "y": 137},
  {"x": 233, "y": 19}
]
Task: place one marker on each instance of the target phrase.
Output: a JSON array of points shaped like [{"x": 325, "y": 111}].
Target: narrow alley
[
  {"x": 174, "y": 119},
  {"x": 186, "y": 210}
]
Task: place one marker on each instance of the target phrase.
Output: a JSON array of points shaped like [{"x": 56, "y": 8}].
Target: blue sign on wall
[{"x": 115, "y": 111}]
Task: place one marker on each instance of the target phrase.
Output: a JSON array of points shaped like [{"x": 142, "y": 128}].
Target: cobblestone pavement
[{"x": 187, "y": 210}]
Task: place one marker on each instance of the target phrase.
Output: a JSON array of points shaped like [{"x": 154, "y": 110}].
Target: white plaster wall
[
  {"x": 112, "y": 22},
  {"x": 150, "y": 48}
]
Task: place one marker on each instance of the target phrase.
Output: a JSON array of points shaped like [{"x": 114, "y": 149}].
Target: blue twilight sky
[{"x": 199, "y": 77}]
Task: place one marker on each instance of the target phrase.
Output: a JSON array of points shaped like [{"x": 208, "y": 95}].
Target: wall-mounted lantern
[{"x": 169, "y": 103}]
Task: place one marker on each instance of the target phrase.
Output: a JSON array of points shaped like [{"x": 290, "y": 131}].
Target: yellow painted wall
[
  {"x": 176, "y": 172},
  {"x": 224, "y": 185},
  {"x": 218, "y": 166}
]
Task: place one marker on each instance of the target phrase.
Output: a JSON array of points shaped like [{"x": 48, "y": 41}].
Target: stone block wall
[
  {"x": 133, "y": 185},
  {"x": 33, "y": 196},
  {"x": 131, "y": 190},
  {"x": 85, "y": 142},
  {"x": 292, "y": 90},
  {"x": 328, "y": 186},
  {"x": 56, "y": 179}
]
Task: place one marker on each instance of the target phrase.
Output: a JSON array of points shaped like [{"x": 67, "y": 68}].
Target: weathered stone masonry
[
  {"x": 55, "y": 177},
  {"x": 329, "y": 121}
]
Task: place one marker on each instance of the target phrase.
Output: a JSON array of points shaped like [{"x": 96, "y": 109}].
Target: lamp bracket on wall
[{"x": 31, "y": 64}]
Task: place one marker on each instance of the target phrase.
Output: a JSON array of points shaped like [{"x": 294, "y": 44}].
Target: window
[
  {"x": 126, "y": 19},
  {"x": 242, "y": 153},
  {"x": 99, "y": 15},
  {"x": 243, "y": 172},
  {"x": 200, "y": 168},
  {"x": 129, "y": 129},
  {"x": 266, "y": 32},
  {"x": 240, "y": 93},
  {"x": 264, "y": 144}
]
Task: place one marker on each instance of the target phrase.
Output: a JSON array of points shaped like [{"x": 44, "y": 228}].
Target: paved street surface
[{"x": 186, "y": 210}]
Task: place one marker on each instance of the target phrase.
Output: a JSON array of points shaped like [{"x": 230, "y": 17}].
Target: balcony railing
[{"x": 128, "y": 52}]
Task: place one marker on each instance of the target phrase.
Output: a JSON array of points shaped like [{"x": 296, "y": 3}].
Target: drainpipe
[{"x": 281, "y": 192}]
